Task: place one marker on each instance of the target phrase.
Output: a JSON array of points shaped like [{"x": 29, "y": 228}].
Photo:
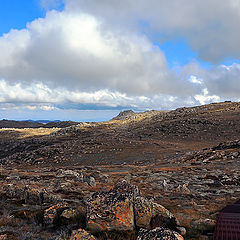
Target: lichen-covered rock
[
  {"x": 30, "y": 195},
  {"x": 143, "y": 212},
  {"x": 123, "y": 186},
  {"x": 81, "y": 234},
  {"x": 90, "y": 181},
  {"x": 150, "y": 215},
  {"x": 79, "y": 176},
  {"x": 160, "y": 210},
  {"x": 123, "y": 208},
  {"x": 182, "y": 230},
  {"x": 69, "y": 213},
  {"x": 70, "y": 173},
  {"x": 113, "y": 210},
  {"x": 178, "y": 236},
  {"x": 53, "y": 213},
  {"x": 158, "y": 234},
  {"x": 169, "y": 219}
]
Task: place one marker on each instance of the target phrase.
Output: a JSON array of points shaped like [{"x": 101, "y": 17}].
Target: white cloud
[
  {"x": 210, "y": 27},
  {"x": 205, "y": 98},
  {"x": 220, "y": 80},
  {"x": 41, "y": 97},
  {"x": 196, "y": 80},
  {"x": 73, "y": 51}
]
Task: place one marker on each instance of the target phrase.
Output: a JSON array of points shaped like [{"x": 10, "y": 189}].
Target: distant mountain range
[
  {"x": 35, "y": 124},
  {"x": 40, "y": 121}
]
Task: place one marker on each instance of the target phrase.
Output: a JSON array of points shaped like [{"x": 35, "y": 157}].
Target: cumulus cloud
[
  {"x": 45, "y": 98},
  {"x": 210, "y": 27},
  {"x": 74, "y": 51},
  {"x": 220, "y": 80},
  {"x": 41, "y": 97}
]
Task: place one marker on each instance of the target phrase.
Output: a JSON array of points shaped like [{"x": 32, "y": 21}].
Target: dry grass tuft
[{"x": 30, "y": 132}]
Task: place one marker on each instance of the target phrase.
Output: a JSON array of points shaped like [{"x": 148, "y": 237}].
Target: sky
[{"x": 87, "y": 60}]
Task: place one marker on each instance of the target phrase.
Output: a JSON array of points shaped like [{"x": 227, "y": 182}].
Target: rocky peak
[{"x": 124, "y": 115}]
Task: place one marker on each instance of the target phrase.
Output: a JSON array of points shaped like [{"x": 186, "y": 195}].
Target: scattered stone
[
  {"x": 52, "y": 214},
  {"x": 158, "y": 234},
  {"x": 90, "y": 181},
  {"x": 69, "y": 213},
  {"x": 182, "y": 230},
  {"x": 81, "y": 234},
  {"x": 69, "y": 173},
  {"x": 185, "y": 189}
]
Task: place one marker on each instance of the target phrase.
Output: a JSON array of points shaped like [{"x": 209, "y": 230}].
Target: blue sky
[
  {"x": 15, "y": 14},
  {"x": 178, "y": 53},
  {"x": 60, "y": 114},
  {"x": 70, "y": 57}
]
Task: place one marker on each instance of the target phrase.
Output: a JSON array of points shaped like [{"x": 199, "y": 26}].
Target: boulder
[
  {"x": 89, "y": 180},
  {"x": 30, "y": 195},
  {"x": 143, "y": 212},
  {"x": 158, "y": 233},
  {"x": 61, "y": 173},
  {"x": 123, "y": 208},
  {"x": 63, "y": 214},
  {"x": 182, "y": 230},
  {"x": 159, "y": 210},
  {"x": 113, "y": 210},
  {"x": 76, "y": 175},
  {"x": 150, "y": 215},
  {"x": 123, "y": 186},
  {"x": 81, "y": 234},
  {"x": 69, "y": 213},
  {"x": 52, "y": 214}
]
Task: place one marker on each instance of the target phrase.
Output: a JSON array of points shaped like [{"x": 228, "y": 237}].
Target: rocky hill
[
  {"x": 19, "y": 124},
  {"x": 125, "y": 115},
  {"x": 146, "y": 136}
]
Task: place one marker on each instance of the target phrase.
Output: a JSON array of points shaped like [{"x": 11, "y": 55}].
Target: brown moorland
[{"x": 186, "y": 160}]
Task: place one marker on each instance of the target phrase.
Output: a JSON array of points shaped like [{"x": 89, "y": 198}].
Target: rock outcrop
[
  {"x": 113, "y": 210},
  {"x": 123, "y": 209},
  {"x": 124, "y": 115},
  {"x": 143, "y": 212},
  {"x": 52, "y": 214},
  {"x": 149, "y": 214}
]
